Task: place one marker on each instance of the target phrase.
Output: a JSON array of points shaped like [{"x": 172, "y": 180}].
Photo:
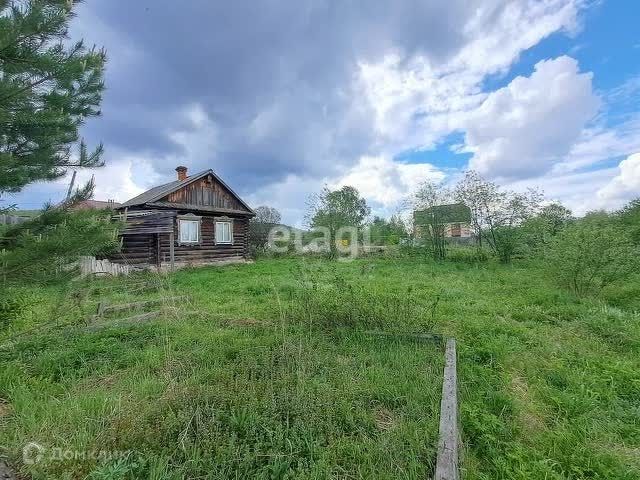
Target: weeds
[
  {"x": 548, "y": 382},
  {"x": 13, "y": 305},
  {"x": 333, "y": 301}
]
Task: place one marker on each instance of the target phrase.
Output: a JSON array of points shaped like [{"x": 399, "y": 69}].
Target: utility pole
[{"x": 73, "y": 181}]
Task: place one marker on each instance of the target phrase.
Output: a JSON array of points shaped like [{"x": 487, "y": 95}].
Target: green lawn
[{"x": 266, "y": 372}]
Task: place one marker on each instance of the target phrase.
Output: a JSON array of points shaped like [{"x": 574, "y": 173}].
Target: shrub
[
  {"x": 417, "y": 251},
  {"x": 507, "y": 242},
  {"x": 42, "y": 249},
  {"x": 591, "y": 254},
  {"x": 470, "y": 255},
  {"x": 629, "y": 216},
  {"x": 539, "y": 230}
]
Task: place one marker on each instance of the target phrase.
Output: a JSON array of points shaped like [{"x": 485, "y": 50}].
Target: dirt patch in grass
[
  {"x": 529, "y": 420},
  {"x": 249, "y": 322},
  {"x": 385, "y": 419},
  {"x": 6, "y": 473},
  {"x": 5, "y": 408}
]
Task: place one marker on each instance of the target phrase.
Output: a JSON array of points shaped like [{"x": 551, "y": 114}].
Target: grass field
[{"x": 266, "y": 372}]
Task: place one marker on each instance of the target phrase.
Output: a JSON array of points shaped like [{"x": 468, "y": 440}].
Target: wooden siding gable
[
  {"x": 207, "y": 191},
  {"x": 204, "y": 191}
]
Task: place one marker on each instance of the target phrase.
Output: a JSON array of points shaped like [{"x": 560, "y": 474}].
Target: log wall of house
[
  {"x": 207, "y": 250},
  {"x": 138, "y": 249}
]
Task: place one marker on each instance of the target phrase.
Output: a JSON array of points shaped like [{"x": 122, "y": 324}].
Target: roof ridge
[{"x": 156, "y": 193}]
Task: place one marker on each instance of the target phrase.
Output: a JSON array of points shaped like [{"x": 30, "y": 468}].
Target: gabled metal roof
[
  {"x": 156, "y": 193},
  {"x": 450, "y": 213}
]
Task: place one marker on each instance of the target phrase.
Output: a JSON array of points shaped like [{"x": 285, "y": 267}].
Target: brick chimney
[{"x": 182, "y": 172}]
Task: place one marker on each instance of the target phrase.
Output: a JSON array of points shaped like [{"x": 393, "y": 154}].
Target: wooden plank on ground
[
  {"x": 447, "y": 462},
  {"x": 125, "y": 322},
  {"x": 430, "y": 337},
  {"x": 104, "y": 309}
]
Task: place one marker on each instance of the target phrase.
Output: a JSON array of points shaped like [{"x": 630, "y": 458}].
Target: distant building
[
  {"x": 19, "y": 216},
  {"x": 456, "y": 218},
  {"x": 95, "y": 204}
]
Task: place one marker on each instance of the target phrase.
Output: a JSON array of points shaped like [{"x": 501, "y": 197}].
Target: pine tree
[{"x": 48, "y": 87}]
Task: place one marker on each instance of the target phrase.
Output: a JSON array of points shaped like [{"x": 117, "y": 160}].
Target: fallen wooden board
[
  {"x": 447, "y": 462},
  {"x": 125, "y": 322},
  {"x": 430, "y": 337},
  {"x": 119, "y": 285},
  {"x": 104, "y": 308}
]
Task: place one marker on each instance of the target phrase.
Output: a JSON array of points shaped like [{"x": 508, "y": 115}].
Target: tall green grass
[
  {"x": 268, "y": 373},
  {"x": 220, "y": 395},
  {"x": 330, "y": 299}
]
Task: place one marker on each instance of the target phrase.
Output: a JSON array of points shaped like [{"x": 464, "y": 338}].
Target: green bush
[
  {"x": 625, "y": 296},
  {"x": 417, "y": 251},
  {"x": 43, "y": 249},
  {"x": 591, "y": 254},
  {"x": 467, "y": 254},
  {"x": 629, "y": 217}
]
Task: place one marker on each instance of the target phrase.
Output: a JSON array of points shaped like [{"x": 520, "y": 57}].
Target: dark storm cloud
[{"x": 276, "y": 79}]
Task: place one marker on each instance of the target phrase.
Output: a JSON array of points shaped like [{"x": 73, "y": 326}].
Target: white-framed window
[
  {"x": 189, "y": 230},
  {"x": 224, "y": 232}
]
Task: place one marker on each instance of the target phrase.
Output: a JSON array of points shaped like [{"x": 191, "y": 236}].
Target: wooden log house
[{"x": 193, "y": 220}]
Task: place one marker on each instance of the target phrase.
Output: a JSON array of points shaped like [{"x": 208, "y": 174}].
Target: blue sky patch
[
  {"x": 442, "y": 156},
  {"x": 608, "y": 44}
]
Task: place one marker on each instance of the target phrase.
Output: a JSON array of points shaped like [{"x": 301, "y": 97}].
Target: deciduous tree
[
  {"x": 266, "y": 218},
  {"x": 629, "y": 217},
  {"x": 497, "y": 215},
  {"x": 592, "y": 253},
  {"x": 429, "y": 218},
  {"x": 335, "y": 210},
  {"x": 540, "y": 229},
  {"x": 387, "y": 232}
]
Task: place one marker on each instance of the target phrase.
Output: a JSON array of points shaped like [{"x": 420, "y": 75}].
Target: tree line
[{"x": 584, "y": 254}]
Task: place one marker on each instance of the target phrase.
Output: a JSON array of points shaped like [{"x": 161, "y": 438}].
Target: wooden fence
[
  {"x": 6, "y": 219},
  {"x": 93, "y": 266}
]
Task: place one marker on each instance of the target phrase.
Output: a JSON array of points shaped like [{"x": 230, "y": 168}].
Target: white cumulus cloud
[
  {"x": 623, "y": 187},
  {"x": 382, "y": 181},
  {"x": 528, "y": 126},
  {"x": 417, "y": 101}
]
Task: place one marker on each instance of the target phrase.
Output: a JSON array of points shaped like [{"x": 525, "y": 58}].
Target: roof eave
[{"x": 200, "y": 208}]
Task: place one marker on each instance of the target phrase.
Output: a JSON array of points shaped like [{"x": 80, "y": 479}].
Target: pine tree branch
[{"x": 28, "y": 87}]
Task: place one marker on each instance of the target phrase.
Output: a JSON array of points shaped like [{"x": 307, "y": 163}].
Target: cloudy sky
[{"x": 283, "y": 97}]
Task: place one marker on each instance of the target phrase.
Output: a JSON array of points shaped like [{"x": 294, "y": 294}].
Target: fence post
[
  {"x": 172, "y": 250},
  {"x": 4, "y": 267}
]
